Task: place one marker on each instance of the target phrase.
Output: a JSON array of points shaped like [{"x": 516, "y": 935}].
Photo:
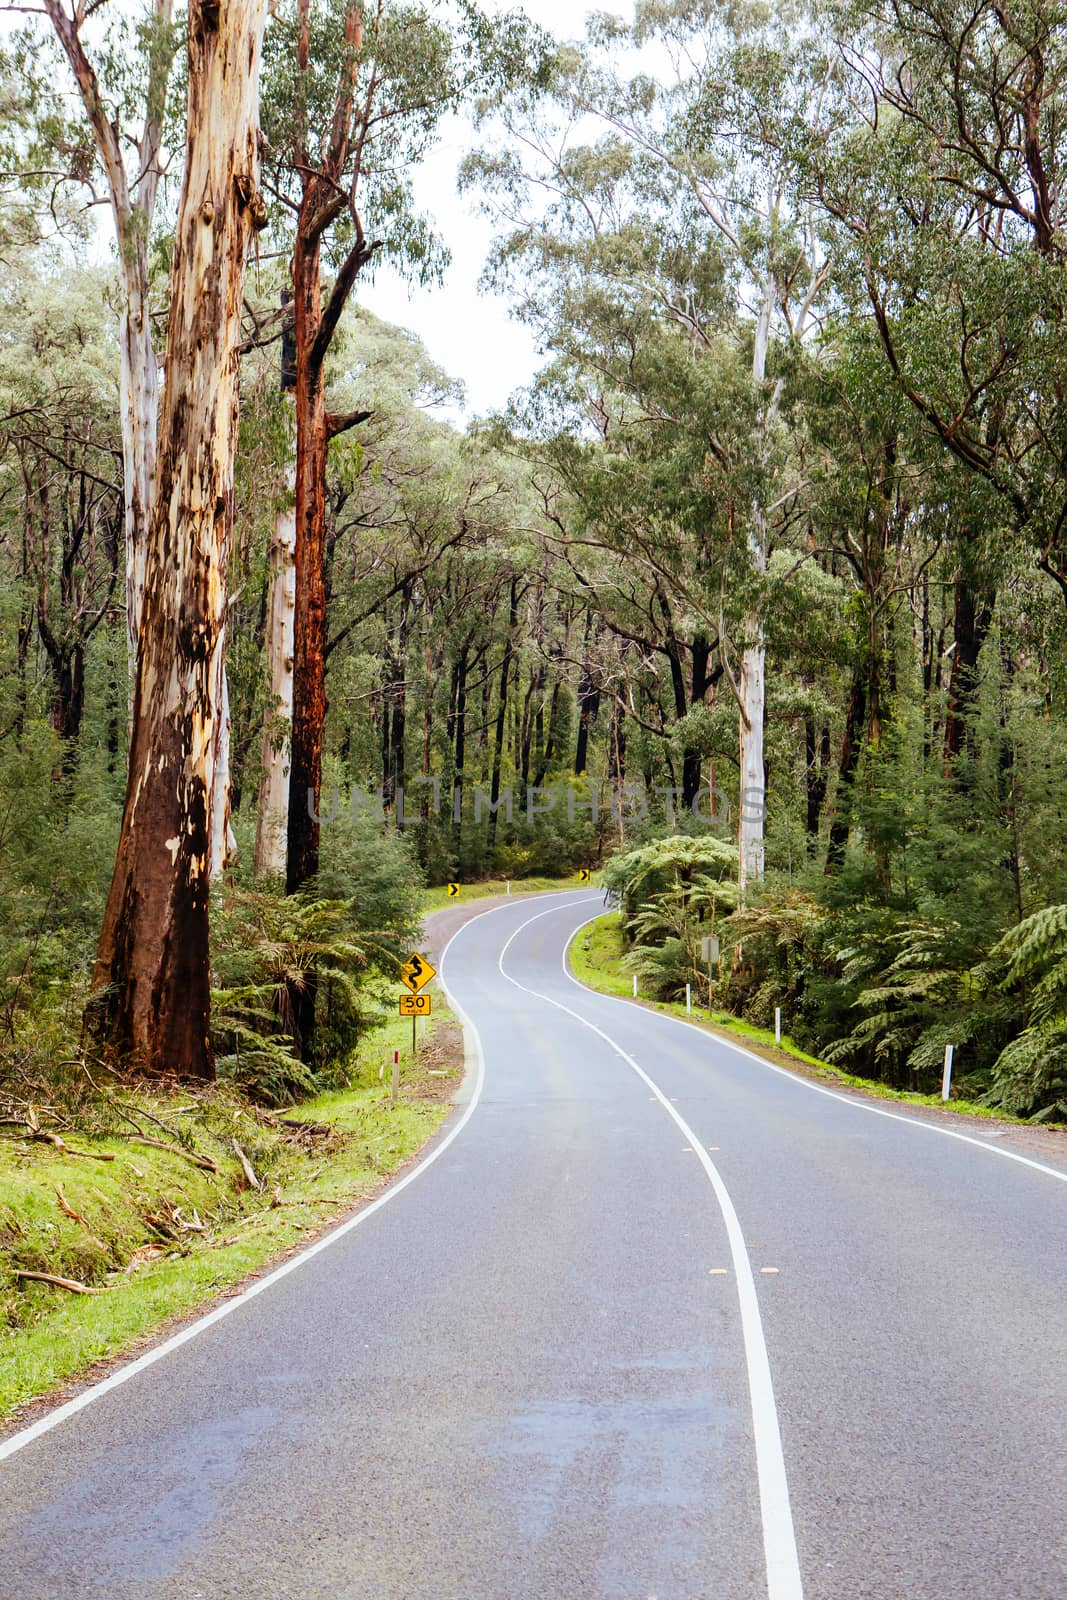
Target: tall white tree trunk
[
  {"x": 753, "y": 684},
  {"x": 133, "y": 208},
  {"x": 272, "y": 818},
  {"x": 752, "y": 696}
]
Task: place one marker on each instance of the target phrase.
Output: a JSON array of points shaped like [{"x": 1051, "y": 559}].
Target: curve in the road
[
  {"x": 779, "y": 1539},
  {"x": 87, "y": 1397},
  {"x": 857, "y": 1102}
]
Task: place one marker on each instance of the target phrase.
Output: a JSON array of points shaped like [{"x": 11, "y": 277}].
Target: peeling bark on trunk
[
  {"x": 753, "y": 782},
  {"x": 326, "y": 192},
  {"x": 150, "y": 1006},
  {"x": 272, "y": 817},
  {"x": 139, "y": 402},
  {"x": 309, "y": 634}
]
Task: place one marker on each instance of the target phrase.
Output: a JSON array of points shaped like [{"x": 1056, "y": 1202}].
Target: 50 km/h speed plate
[
  {"x": 416, "y": 1005},
  {"x": 416, "y": 972}
]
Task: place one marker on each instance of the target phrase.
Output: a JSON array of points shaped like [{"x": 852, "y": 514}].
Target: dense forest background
[{"x": 757, "y": 593}]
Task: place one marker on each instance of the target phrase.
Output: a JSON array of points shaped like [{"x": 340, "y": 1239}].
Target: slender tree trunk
[
  {"x": 752, "y": 687},
  {"x": 309, "y": 628},
  {"x": 221, "y": 842},
  {"x": 150, "y": 1006},
  {"x": 272, "y": 815},
  {"x": 459, "y": 750},
  {"x": 24, "y": 630},
  {"x": 139, "y": 404},
  {"x": 973, "y": 617},
  {"x": 588, "y": 703},
  {"x": 501, "y": 715},
  {"x": 699, "y": 682},
  {"x": 817, "y": 769},
  {"x": 851, "y": 745},
  {"x": 133, "y": 208}
]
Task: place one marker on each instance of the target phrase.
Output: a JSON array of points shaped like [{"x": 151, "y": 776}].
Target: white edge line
[
  {"x": 779, "y": 1539},
  {"x": 856, "y": 1101},
  {"x": 96, "y": 1391}
]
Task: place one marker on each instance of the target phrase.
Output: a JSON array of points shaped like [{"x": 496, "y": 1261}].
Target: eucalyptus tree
[
  {"x": 354, "y": 97},
  {"x": 694, "y": 166},
  {"x": 943, "y": 184},
  {"x": 62, "y": 468},
  {"x": 123, "y": 78},
  {"x": 150, "y": 1005}
]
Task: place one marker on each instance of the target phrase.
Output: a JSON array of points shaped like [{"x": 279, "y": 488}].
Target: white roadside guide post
[
  {"x": 777, "y": 1024},
  {"x": 688, "y": 999},
  {"x": 709, "y": 949},
  {"x": 635, "y": 985},
  {"x": 396, "y": 1077},
  {"x": 946, "y": 1077}
]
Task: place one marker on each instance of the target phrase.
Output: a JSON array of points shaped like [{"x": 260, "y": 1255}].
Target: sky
[{"x": 467, "y": 331}]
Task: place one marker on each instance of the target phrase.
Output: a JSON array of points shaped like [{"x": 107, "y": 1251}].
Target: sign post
[
  {"x": 415, "y": 974},
  {"x": 416, "y": 1006}
]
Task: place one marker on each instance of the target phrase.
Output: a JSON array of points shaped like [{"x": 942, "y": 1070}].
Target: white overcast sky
[{"x": 467, "y": 331}]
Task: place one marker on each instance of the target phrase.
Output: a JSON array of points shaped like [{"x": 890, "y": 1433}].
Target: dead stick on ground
[
  {"x": 41, "y": 1136},
  {"x": 75, "y": 1216},
  {"x": 204, "y": 1162},
  {"x": 60, "y": 1283},
  {"x": 246, "y": 1167}
]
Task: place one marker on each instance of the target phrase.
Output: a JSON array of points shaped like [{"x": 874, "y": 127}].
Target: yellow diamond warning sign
[{"x": 416, "y": 972}]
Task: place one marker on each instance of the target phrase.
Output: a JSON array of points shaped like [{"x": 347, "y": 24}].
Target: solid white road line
[
  {"x": 779, "y": 1540},
  {"x": 52, "y": 1419},
  {"x": 855, "y": 1101}
]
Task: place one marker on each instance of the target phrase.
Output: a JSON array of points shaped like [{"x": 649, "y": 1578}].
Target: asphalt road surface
[{"x": 656, "y": 1320}]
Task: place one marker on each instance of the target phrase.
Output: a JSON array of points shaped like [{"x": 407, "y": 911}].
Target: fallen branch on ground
[
  {"x": 205, "y": 1163},
  {"x": 76, "y": 1216},
  {"x": 246, "y": 1167},
  {"x": 59, "y": 1283}
]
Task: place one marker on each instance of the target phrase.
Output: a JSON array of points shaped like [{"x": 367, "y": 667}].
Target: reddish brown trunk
[
  {"x": 150, "y": 1006},
  {"x": 309, "y": 653}
]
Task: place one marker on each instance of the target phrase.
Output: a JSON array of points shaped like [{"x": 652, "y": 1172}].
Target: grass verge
[
  {"x": 158, "y": 1233},
  {"x": 596, "y": 958}
]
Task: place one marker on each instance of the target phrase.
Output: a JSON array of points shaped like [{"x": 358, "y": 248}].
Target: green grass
[
  {"x": 436, "y": 899},
  {"x": 50, "y": 1335},
  {"x": 596, "y": 958}
]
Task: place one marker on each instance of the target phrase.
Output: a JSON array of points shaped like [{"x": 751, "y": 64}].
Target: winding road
[{"x": 651, "y": 1320}]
